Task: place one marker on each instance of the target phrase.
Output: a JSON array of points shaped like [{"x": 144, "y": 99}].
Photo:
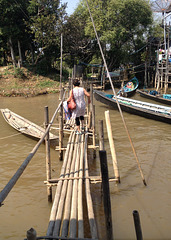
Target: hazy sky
[{"x": 71, "y": 6}]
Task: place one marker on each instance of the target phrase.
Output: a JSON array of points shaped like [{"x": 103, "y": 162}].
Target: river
[{"x": 26, "y": 205}]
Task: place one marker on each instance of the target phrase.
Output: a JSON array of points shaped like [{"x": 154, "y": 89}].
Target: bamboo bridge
[{"x": 72, "y": 215}]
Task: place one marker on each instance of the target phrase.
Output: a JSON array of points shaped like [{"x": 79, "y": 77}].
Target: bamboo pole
[
  {"x": 137, "y": 225},
  {"x": 101, "y": 135},
  {"x": 66, "y": 218},
  {"x": 58, "y": 192},
  {"x": 48, "y": 160},
  {"x": 112, "y": 146},
  {"x": 60, "y": 209},
  {"x": 13, "y": 180},
  {"x": 92, "y": 222},
  {"x": 31, "y": 234},
  {"x": 106, "y": 194},
  {"x": 91, "y": 97},
  {"x": 61, "y": 128},
  {"x": 80, "y": 192},
  {"x": 74, "y": 204},
  {"x": 94, "y": 132}
]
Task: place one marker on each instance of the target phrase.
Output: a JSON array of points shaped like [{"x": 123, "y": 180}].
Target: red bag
[{"x": 72, "y": 104}]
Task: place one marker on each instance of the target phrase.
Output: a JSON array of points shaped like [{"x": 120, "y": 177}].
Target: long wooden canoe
[
  {"x": 143, "y": 109},
  {"x": 163, "y": 98},
  {"x": 25, "y": 126}
]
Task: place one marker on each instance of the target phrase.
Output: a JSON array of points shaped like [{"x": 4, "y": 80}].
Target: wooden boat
[
  {"x": 129, "y": 89},
  {"x": 143, "y": 109},
  {"x": 25, "y": 126},
  {"x": 154, "y": 95}
]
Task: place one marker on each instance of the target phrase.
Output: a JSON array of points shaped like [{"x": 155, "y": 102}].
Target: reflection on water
[{"x": 27, "y": 206}]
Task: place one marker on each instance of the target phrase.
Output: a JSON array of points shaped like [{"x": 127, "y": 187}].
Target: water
[{"x": 26, "y": 205}]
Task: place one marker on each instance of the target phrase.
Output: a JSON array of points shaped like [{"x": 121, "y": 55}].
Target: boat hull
[
  {"x": 25, "y": 126},
  {"x": 155, "y": 98},
  {"x": 100, "y": 96}
]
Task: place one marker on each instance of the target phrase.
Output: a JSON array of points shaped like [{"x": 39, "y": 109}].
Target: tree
[
  {"x": 46, "y": 18},
  {"x": 121, "y": 25},
  {"x": 12, "y": 23}
]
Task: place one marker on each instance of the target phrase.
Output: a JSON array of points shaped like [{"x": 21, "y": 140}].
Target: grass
[{"x": 22, "y": 82}]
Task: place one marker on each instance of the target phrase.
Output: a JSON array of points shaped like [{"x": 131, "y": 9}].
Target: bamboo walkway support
[
  {"x": 48, "y": 161},
  {"x": 112, "y": 146},
  {"x": 106, "y": 194},
  {"x": 66, "y": 218},
  {"x": 137, "y": 225}
]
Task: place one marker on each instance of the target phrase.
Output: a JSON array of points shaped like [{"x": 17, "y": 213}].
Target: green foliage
[
  {"x": 123, "y": 25},
  {"x": 46, "y": 83},
  {"x": 18, "y": 73}
]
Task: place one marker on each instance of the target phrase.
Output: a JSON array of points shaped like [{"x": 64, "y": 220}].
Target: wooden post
[
  {"x": 112, "y": 146},
  {"x": 106, "y": 194},
  {"x": 92, "y": 109},
  {"x": 91, "y": 97},
  {"x": 61, "y": 128},
  {"x": 137, "y": 225},
  {"x": 104, "y": 81},
  {"x": 94, "y": 132},
  {"x": 48, "y": 161},
  {"x": 101, "y": 135},
  {"x": 31, "y": 234},
  {"x": 60, "y": 138}
]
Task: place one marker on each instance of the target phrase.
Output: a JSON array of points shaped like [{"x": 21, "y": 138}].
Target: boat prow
[{"x": 25, "y": 126}]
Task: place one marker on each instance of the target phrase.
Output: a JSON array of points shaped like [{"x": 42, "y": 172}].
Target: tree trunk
[
  {"x": 12, "y": 52},
  {"x": 32, "y": 53},
  {"x": 20, "y": 55}
]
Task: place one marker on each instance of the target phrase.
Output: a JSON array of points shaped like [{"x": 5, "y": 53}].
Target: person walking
[{"x": 78, "y": 113}]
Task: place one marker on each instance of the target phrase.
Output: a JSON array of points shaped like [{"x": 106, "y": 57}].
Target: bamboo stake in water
[
  {"x": 106, "y": 194},
  {"x": 48, "y": 161},
  {"x": 101, "y": 135},
  {"x": 112, "y": 146}
]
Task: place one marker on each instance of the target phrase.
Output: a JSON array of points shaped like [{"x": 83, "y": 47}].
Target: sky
[{"x": 71, "y": 6}]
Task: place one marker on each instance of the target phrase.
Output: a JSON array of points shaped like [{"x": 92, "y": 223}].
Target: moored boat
[
  {"x": 25, "y": 126},
  {"x": 156, "y": 96},
  {"x": 129, "y": 89},
  {"x": 143, "y": 109}
]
